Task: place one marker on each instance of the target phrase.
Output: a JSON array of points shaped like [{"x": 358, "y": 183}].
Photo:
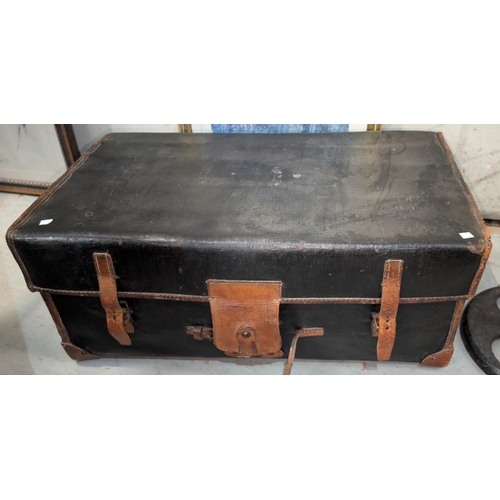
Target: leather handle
[
  {"x": 303, "y": 332},
  {"x": 384, "y": 323}
]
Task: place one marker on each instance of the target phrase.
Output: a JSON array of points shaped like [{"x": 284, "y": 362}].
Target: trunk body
[{"x": 315, "y": 216}]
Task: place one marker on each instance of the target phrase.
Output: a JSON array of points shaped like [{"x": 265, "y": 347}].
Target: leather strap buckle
[
  {"x": 384, "y": 322},
  {"x": 118, "y": 318}
]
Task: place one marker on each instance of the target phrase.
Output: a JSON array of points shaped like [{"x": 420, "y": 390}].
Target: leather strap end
[
  {"x": 303, "y": 332},
  {"x": 386, "y": 319}
]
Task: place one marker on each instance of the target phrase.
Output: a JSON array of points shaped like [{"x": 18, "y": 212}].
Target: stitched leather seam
[{"x": 283, "y": 300}]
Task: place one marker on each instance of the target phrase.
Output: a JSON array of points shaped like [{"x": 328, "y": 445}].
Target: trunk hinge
[
  {"x": 118, "y": 317},
  {"x": 384, "y": 322}
]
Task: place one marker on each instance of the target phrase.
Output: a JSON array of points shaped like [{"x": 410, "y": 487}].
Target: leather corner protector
[
  {"x": 77, "y": 353},
  {"x": 439, "y": 359}
]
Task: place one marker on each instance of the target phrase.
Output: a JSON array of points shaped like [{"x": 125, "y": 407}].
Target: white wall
[
  {"x": 477, "y": 152},
  {"x": 30, "y": 153},
  {"x": 86, "y": 135}
]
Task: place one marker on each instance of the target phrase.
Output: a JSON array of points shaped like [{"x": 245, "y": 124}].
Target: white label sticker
[
  {"x": 466, "y": 235},
  {"x": 44, "y": 222}
]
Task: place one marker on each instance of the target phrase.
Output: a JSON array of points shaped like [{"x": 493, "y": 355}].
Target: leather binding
[
  {"x": 245, "y": 317},
  {"x": 384, "y": 323},
  {"x": 117, "y": 314}
]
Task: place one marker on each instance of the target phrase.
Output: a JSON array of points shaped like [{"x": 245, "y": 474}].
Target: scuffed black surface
[
  {"x": 319, "y": 212},
  {"x": 160, "y": 329},
  {"x": 177, "y": 209},
  {"x": 354, "y": 188}
]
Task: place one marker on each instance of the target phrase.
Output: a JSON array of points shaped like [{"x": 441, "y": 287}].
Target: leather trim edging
[
  {"x": 443, "y": 357},
  {"x": 73, "y": 351},
  {"x": 39, "y": 201},
  {"x": 482, "y": 243},
  {"x": 283, "y": 301}
]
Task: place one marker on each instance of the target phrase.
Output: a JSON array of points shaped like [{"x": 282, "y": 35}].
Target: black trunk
[{"x": 320, "y": 213}]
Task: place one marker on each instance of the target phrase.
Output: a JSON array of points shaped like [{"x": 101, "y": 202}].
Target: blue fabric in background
[{"x": 278, "y": 129}]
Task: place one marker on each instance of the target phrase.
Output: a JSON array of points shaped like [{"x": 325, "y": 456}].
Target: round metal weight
[{"x": 480, "y": 327}]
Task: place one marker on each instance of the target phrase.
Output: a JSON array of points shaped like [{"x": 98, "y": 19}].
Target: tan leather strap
[
  {"x": 384, "y": 323},
  {"x": 303, "y": 332},
  {"x": 245, "y": 317},
  {"x": 117, "y": 317}
]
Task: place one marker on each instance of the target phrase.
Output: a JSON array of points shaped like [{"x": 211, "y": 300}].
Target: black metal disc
[{"x": 480, "y": 327}]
